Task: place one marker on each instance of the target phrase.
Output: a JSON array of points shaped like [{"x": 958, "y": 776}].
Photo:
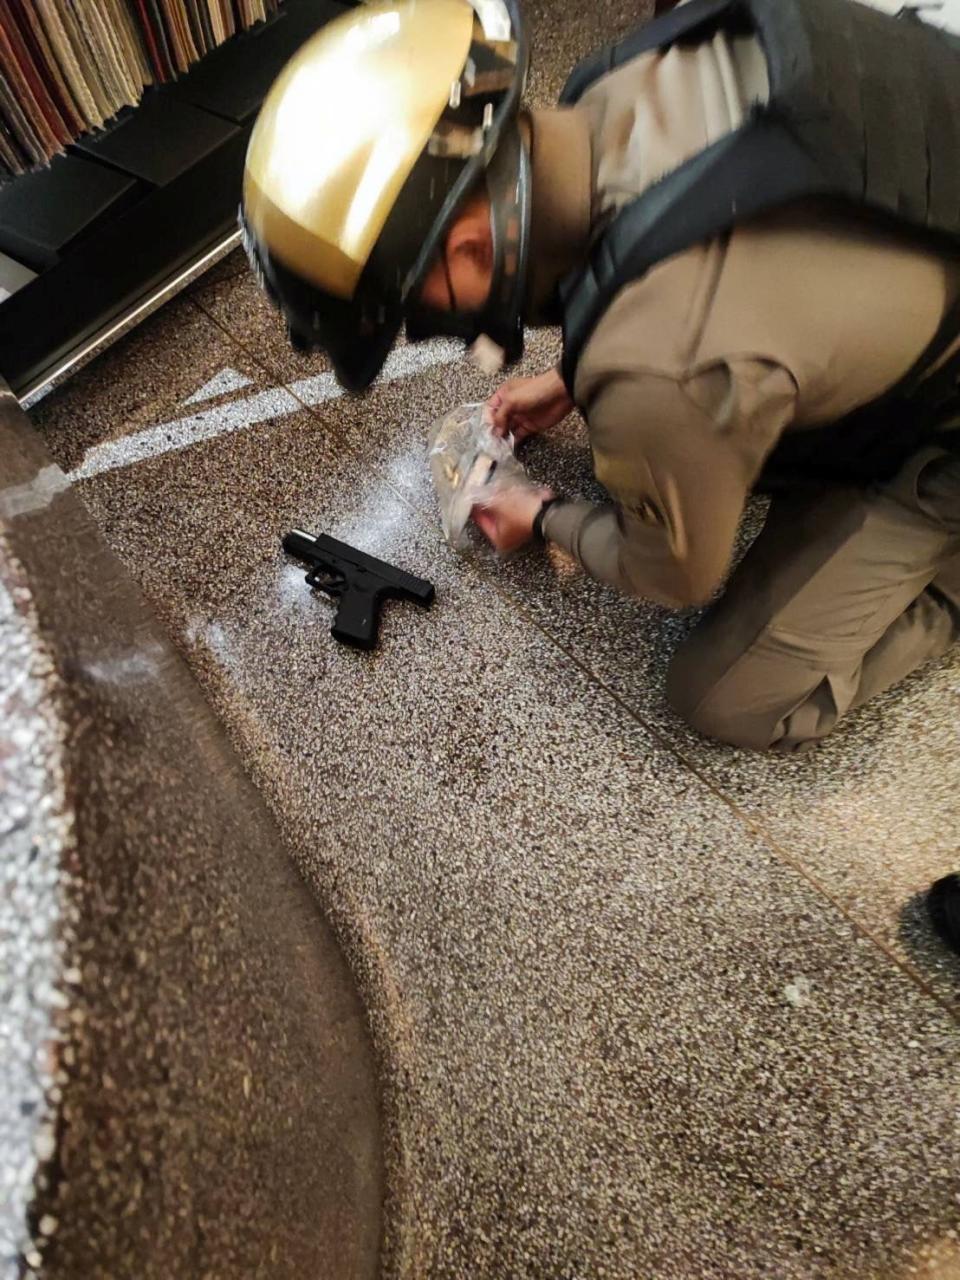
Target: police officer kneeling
[{"x": 746, "y": 216}]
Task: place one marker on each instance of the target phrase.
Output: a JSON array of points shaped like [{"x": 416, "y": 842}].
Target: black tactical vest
[{"x": 863, "y": 108}]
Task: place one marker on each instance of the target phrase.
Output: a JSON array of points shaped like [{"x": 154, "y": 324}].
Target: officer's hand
[
  {"x": 506, "y": 519},
  {"x": 527, "y": 406}
]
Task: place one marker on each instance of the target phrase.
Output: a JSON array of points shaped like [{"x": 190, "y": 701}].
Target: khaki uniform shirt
[{"x": 694, "y": 371}]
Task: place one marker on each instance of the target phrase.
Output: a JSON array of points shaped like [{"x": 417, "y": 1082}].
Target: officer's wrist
[{"x": 545, "y": 506}]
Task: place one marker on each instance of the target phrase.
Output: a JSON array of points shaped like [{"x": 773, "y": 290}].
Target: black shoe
[{"x": 943, "y": 904}]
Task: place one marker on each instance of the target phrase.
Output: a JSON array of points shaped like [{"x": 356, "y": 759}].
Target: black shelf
[
  {"x": 134, "y": 206},
  {"x": 158, "y": 140}
]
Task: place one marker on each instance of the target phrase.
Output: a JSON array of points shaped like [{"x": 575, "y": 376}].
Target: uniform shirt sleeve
[{"x": 678, "y": 459}]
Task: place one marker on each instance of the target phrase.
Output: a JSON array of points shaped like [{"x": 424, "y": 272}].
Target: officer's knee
[
  {"x": 699, "y": 692},
  {"x": 702, "y": 712}
]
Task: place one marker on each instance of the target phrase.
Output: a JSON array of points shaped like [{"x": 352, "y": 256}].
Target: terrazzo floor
[{"x": 644, "y": 1006}]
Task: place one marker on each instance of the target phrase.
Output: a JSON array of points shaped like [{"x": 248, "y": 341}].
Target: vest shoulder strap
[{"x": 758, "y": 168}]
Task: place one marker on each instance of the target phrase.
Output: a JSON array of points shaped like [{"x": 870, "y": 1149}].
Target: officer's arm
[{"x": 679, "y": 474}]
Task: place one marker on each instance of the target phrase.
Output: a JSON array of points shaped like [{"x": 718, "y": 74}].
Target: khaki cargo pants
[{"x": 843, "y": 594}]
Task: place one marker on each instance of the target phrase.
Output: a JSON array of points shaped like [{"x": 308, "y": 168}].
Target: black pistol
[{"x": 358, "y": 581}]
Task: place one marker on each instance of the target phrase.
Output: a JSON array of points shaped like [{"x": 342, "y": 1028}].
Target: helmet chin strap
[
  {"x": 508, "y": 182},
  {"x": 451, "y": 296},
  {"x": 501, "y": 316}
]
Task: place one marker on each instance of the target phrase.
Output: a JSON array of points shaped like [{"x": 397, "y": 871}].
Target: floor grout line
[{"x": 754, "y": 825}]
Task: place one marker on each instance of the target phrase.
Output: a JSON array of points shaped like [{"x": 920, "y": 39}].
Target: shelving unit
[{"x": 130, "y": 212}]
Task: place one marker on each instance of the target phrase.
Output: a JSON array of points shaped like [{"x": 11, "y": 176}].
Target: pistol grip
[{"x": 356, "y": 619}]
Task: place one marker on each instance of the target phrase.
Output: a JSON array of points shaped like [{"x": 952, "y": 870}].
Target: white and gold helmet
[{"x": 368, "y": 144}]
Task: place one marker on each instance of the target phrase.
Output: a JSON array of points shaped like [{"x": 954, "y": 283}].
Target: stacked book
[{"x": 67, "y": 66}]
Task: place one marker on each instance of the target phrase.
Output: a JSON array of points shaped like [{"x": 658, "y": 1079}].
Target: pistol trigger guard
[{"x": 323, "y": 580}]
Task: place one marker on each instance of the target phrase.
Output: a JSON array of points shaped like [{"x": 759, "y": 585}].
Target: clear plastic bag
[{"x": 469, "y": 464}]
